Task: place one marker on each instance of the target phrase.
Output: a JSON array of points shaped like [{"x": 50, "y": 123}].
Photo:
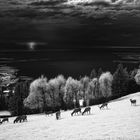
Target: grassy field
[{"x": 119, "y": 122}]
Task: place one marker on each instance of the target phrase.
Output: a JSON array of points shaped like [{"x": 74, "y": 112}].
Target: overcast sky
[
  {"x": 70, "y": 37},
  {"x": 71, "y": 24}
]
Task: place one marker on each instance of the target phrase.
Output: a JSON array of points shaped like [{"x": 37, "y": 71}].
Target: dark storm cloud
[
  {"x": 87, "y": 23},
  {"x": 126, "y": 61},
  {"x": 111, "y": 12},
  {"x": 21, "y": 60},
  {"x": 106, "y": 8},
  {"x": 6, "y": 59},
  {"x": 89, "y": 8},
  {"x": 7, "y": 69},
  {"x": 127, "y": 56}
]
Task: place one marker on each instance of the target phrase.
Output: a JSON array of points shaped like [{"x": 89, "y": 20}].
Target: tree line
[{"x": 44, "y": 94}]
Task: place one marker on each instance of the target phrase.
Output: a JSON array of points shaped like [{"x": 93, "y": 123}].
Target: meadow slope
[{"x": 119, "y": 122}]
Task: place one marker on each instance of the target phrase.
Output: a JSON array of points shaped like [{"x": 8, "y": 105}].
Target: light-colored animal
[
  {"x": 133, "y": 102},
  {"x": 87, "y": 109}
]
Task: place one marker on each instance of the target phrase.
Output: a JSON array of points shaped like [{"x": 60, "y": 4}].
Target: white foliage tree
[
  {"x": 91, "y": 90},
  {"x": 61, "y": 88},
  {"x": 84, "y": 87},
  {"x": 72, "y": 88},
  {"x": 46, "y": 94},
  {"x": 105, "y": 82},
  {"x": 84, "y": 83},
  {"x": 36, "y": 98},
  {"x": 55, "y": 90},
  {"x": 137, "y": 78}
]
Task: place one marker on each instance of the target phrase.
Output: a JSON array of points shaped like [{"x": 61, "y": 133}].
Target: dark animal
[
  {"x": 5, "y": 120},
  {"x": 75, "y": 111},
  {"x": 58, "y": 113},
  {"x": 49, "y": 113},
  {"x": 133, "y": 102},
  {"x": 103, "y": 105},
  {"x": 17, "y": 119},
  {"x": 23, "y": 118},
  {"x": 20, "y": 119},
  {"x": 87, "y": 109}
]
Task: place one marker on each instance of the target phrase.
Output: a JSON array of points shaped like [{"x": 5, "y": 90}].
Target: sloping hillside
[{"x": 119, "y": 122}]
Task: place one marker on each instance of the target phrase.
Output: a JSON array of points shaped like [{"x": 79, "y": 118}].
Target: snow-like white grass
[{"x": 120, "y": 121}]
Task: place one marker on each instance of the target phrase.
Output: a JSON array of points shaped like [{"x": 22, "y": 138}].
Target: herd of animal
[
  {"x": 87, "y": 110},
  {"x": 20, "y": 119},
  {"x": 76, "y": 111}
]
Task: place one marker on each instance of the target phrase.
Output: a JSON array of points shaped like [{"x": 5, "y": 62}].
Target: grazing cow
[
  {"x": 103, "y": 105},
  {"x": 87, "y": 109},
  {"x": 58, "y": 113},
  {"x": 75, "y": 111},
  {"x": 133, "y": 102},
  {"x": 5, "y": 120},
  {"x": 49, "y": 113},
  {"x": 20, "y": 119}
]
